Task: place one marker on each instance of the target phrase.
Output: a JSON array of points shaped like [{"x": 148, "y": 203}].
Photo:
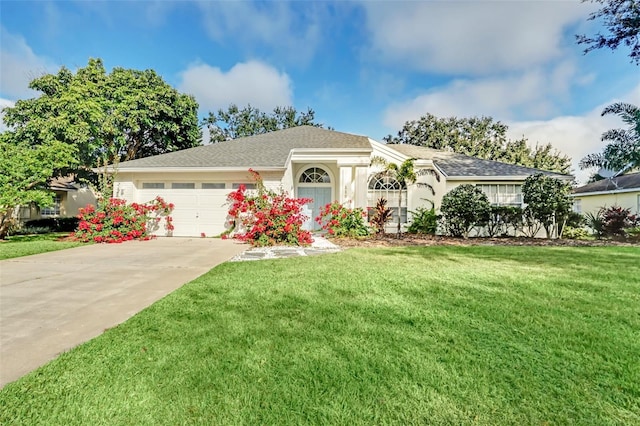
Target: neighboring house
[
  {"x": 308, "y": 162},
  {"x": 69, "y": 197},
  {"x": 623, "y": 191}
]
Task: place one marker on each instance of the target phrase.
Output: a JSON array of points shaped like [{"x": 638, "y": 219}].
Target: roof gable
[
  {"x": 628, "y": 181},
  {"x": 454, "y": 164},
  {"x": 266, "y": 150}
]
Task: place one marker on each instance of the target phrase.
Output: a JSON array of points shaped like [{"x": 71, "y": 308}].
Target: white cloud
[
  {"x": 19, "y": 65},
  {"x": 470, "y": 37},
  {"x": 290, "y": 29},
  {"x": 252, "y": 82},
  {"x": 534, "y": 93},
  {"x": 4, "y": 103},
  {"x": 576, "y": 136}
]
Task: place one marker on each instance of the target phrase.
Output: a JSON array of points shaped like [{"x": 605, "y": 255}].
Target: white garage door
[{"x": 196, "y": 211}]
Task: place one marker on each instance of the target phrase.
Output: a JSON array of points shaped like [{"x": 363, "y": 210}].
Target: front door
[{"x": 321, "y": 196}]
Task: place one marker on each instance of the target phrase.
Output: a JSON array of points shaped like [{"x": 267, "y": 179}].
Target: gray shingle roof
[
  {"x": 266, "y": 150},
  {"x": 629, "y": 181},
  {"x": 453, "y": 164}
]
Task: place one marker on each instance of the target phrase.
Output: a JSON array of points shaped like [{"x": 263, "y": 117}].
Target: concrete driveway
[{"x": 51, "y": 302}]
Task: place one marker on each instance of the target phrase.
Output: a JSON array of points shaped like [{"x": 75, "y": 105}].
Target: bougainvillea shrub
[
  {"x": 265, "y": 217},
  {"x": 115, "y": 221},
  {"x": 341, "y": 221}
]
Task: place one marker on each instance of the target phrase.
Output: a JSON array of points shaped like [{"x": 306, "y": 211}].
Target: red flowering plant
[
  {"x": 341, "y": 221},
  {"x": 266, "y": 217},
  {"x": 115, "y": 221}
]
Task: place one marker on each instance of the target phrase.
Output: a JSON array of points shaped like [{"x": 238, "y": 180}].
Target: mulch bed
[{"x": 391, "y": 240}]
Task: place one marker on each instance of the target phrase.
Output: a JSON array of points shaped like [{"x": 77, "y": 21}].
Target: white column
[
  {"x": 345, "y": 189},
  {"x": 361, "y": 185}
]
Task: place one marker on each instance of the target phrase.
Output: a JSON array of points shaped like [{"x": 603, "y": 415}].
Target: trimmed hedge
[{"x": 55, "y": 224}]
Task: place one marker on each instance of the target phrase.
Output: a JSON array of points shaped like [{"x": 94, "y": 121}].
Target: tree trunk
[{"x": 399, "y": 213}]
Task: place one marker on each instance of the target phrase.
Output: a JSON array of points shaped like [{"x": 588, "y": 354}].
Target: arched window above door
[
  {"x": 314, "y": 175},
  {"x": 382, "y": 182}
]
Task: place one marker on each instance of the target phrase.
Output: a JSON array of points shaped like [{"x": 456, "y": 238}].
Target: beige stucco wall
[
  {"x": 593, "y": 203},
  {"x": 70, "y": 203}
]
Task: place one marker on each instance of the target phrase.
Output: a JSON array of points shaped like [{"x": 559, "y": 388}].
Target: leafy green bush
[
  {"x": 464, "y": 208},
  {"x": 576, "y": 233},
  {"x": 633, "y": 233},
  {"x": 503, "y": 220},
  {"x": 54, "y": 224},
  {"x": 423, "y": 221},
  {"x": 595, "y": 222},
  {"x": 547, "y": 201}
]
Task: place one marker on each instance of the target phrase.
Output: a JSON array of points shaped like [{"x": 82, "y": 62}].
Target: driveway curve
[{"x": 52, "y": 302}]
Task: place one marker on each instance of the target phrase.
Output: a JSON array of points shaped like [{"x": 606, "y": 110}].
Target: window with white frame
[
  {"x": 183, "y": 185},
  {"x": 577, "y": 205},
  {"x": 503, "y": 194},
  {"x": 152, "y": 185},
  {"x": 54, "y": 209},
  {"x": 383, "y": 186},
  {"x": 213, "y": 185},
  {"x": 314, "y": 175}
]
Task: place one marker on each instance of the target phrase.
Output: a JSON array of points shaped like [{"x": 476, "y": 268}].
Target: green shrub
[
  {"x": 576, "y": 233},
  {"x": 423, "y": 221},
  {"x": 633, "y": 233},
  {"x": 464, "y": 208},
  {"x": 503, "y": 220},
  {"x": 54, "y": 224}
]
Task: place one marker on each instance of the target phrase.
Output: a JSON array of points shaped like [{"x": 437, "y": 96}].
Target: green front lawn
[
  {"x": 419, "y": 335},
  {"x": 26, "y": 245}
]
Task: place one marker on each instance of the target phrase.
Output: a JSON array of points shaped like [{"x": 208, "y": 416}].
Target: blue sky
[{"x": 365, "y": 67}]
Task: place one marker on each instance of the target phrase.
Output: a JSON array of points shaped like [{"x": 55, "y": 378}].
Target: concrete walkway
[
  {"x": 320, "y": 246},
  {"x": 54, "y": 301}
]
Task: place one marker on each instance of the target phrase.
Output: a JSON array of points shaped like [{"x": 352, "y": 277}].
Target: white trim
[
  {"x": 193, "y": 169},
  {"x": 306, "y": 167},
  {"x": 475, "y": 178},
  {"x": 610, "y": 192},
  {"x": 397, "y": 155}
]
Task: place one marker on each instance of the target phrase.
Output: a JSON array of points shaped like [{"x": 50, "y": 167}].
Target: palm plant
[
  {"x": 405, "y": 174},
  {"x": 623, "y": 149}
]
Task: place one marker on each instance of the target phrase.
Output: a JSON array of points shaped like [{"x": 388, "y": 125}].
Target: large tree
[
  {"x": 548, "y": 202},
  {"x": 479, "y": 137},
  {"x": 621, "y": 18},
  {"x": 25, "y": 172},
  {"x": 248, "y": 121},
  {"x": 122, "y": 115},
  {"x": 623, "y": 149}
]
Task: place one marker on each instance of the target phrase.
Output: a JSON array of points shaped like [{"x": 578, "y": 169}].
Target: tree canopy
[
  {"x": 237, "y": 123},
  {"x": 623, "y": 149},
  {"x": 479, "y": 137},
  {"x": 25, "y": 172},
  {"x": 547, "y": 201},
  {"x": 621, "y": 18},
  {"x": 125, "y": 114}
]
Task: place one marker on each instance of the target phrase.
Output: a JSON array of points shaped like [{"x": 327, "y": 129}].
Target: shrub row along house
[{"x": 307, "y": 162}]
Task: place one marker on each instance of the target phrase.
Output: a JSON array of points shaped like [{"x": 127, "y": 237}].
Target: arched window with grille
[
  {"x": 384, "y": 186},
  {"x": 314, "y": 175}
]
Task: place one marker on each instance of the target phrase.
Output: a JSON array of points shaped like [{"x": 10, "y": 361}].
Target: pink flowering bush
[
  {"x": 267, "y": 218},
  {"x": 340, "y": 221},
  {"x": 115, "y": 221}
]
